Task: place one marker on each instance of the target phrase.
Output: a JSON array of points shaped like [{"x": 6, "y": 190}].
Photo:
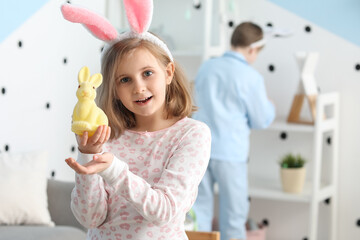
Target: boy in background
[{"x": 231, "y": 99}]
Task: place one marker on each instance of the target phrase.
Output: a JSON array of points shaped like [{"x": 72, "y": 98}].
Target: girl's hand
[
  {"x": 93, "y": 144},
  {"x": 98, "y": 164}
]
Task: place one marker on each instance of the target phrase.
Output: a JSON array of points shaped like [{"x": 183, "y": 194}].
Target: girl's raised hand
[
  {"x": 98, "y": 164},
  {"x": 93, "y": 144}
]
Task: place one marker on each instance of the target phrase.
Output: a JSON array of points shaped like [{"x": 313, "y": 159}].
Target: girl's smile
[{"x": 143, "y": 101}]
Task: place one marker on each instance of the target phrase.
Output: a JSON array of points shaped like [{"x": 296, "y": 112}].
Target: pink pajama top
[{"x": 150, "y": 186}]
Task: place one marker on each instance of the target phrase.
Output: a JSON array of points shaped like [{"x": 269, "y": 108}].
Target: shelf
[
  {"x": 272, "y": 190},
  {"x": 196, "y": 52},
  {"x": 280, "y": 124},
  {"x": 187, "y": 53}
]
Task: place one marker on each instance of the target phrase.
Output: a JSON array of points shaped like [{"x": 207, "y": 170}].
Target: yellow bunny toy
[{"x": 87, "y": 116}]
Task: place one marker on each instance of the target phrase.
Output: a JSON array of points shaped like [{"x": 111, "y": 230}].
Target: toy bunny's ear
[
  {"x": 84, "y": 74},
  {"x": 96, "y": 79},
  {"x": 96, "y": 24},
  {"x": 139, "y": 14}
]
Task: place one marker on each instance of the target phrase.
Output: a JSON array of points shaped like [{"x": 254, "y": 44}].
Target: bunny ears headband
[
  {"x": 269, "y": 33},
  {"x": 139, "y": 14}
]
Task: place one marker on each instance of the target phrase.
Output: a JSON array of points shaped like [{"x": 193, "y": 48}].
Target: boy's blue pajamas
[
  {"x": 233, "y": 198},
  {"x": 232, "y": 99}
]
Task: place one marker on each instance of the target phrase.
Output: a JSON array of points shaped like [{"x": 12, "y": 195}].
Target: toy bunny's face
[
  {"x": 86, "y": 90},
  {"x": 88, "y": 84}
]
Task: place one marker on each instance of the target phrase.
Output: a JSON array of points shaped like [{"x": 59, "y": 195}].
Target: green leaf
[{"x": 292, "y": 161}]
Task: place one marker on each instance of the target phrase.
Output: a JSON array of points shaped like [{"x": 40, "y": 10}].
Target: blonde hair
[
  {"x": 178, "y": 100},
  {"x": 245, "y": 34}
]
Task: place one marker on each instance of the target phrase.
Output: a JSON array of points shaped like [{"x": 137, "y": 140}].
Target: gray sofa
[{"x": 66, "y": 226}]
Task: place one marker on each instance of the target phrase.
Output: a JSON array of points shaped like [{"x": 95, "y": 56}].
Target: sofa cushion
[
  {"x": 41, "y": 233},
  {"x": 23, "y": 185},
  {"x": 59, "y": 198}
]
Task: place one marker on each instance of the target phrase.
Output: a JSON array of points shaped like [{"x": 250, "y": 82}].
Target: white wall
[{"x": 35, "y": 74}]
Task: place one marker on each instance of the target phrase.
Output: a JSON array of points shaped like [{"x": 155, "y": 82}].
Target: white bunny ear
[
  {"x": 139, "y": 14},
  {"x": 96, "y": 24}
]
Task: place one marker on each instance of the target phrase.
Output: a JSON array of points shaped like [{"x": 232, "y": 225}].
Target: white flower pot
[{"x": 293, "y": 179}]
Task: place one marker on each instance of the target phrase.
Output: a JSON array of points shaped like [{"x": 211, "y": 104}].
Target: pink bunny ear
[
  {"x": 139, "y": 14},
  {"x": 96, "y": 24}
]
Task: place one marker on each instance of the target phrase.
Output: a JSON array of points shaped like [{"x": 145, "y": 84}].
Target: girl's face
[{"x": 141, "y": 82}]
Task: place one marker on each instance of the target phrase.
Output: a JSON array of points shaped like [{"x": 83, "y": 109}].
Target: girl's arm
[
  {"x": 89, "y": 198},
  {"x": 176, "y": 189}
]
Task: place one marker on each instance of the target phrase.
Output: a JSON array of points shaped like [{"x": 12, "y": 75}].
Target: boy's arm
[{"x": 261, "y": 111}]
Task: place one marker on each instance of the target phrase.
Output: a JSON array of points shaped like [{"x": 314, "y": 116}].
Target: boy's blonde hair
[
  {"x": 245, "y": 34},
  {"x": 178, "y": 100}
]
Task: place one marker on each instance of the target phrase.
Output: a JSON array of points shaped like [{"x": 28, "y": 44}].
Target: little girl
[{"x": 138, "y": 179}]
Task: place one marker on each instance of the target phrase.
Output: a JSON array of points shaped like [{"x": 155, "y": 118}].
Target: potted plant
[{"x": 292, "y": 173}]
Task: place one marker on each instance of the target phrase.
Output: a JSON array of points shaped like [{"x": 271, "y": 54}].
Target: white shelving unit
[
  {"x": 316, "y": 189},
  {"x": 207, "y": 49}
]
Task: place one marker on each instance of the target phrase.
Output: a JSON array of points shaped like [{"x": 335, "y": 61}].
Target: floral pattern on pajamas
[{"x": 150, "y": 186}]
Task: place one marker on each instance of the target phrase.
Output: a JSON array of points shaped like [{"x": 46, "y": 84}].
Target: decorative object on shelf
[
  {"x": 292, "y": 173},
  {"x": 255, "y": 231},
  {"x": 87, "y": 116},
  {"x": 307, "y": 87},
  {"x": 190, "y": 221}
]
